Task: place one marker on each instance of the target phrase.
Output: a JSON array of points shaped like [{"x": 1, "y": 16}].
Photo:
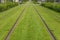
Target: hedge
[
  {"x": 53, "y": 6},
  {"x": 5, "y": 6}
]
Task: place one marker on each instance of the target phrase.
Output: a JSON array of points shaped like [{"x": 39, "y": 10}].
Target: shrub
[
  {"x": 53, "y": 6},
  {"x": 5, "y": 6}
]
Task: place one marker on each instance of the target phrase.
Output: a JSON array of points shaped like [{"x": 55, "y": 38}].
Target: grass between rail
[
  {"x": 7, "y": 21},
  {"x": 52, "y": 19},
  {"x": 30, "y": 27}
]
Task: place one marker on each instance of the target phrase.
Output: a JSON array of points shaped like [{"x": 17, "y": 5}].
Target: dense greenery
[
  {"x": 53, "y": 6},
  {"x": 24, "y": 0},
  {"x": 49, "y": 0},
  {"x": 5, "y": 6},
  {"x": 34, "y": 1}
]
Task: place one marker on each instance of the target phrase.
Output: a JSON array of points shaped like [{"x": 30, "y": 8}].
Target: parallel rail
[
  {"x": 46, "y": 26},
  {"x": 14, "y": 25}
]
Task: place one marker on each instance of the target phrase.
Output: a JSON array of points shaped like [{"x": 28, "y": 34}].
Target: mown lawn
[
  {"x": 52, "y": 19},
  {"x": 30, "y": 27},
  {"x": 7, "y": 19}
]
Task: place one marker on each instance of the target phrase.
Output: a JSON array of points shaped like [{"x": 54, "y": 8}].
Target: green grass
[
  {"x": 52, "y": 19},
  {"x": 7, "y": 21},
  {"x": 30, "y": 27}
]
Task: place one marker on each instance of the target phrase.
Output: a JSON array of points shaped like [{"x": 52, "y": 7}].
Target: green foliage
[
  {"x": 50, "y": 0},
  {"x": 24, "y": 0},
  {"x": 6, "y": 6},
  {"x": 34, "y": 1},
  {"x": 53, "y": 6}
]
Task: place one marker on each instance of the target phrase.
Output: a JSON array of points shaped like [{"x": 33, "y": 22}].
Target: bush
[
  {"x": 53, "y": 6},
  {"x": 5, "y": 6}
]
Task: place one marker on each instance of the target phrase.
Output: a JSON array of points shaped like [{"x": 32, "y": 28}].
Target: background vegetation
[
  {"x": 8, "y": 5},
  {"x": 53, "y": 6}
]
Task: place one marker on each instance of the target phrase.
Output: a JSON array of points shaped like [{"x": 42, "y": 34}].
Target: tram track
[
  {"x": 14, "y": 25},
  {"x": 45, "y": 24}
]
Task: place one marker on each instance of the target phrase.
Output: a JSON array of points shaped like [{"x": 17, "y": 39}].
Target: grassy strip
[
  {"x": 30, "y": 27},
  {"x": 7, "y": 22},
  {"x": 8, "y": 12},
  {"x": 52, "y": 18}
]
